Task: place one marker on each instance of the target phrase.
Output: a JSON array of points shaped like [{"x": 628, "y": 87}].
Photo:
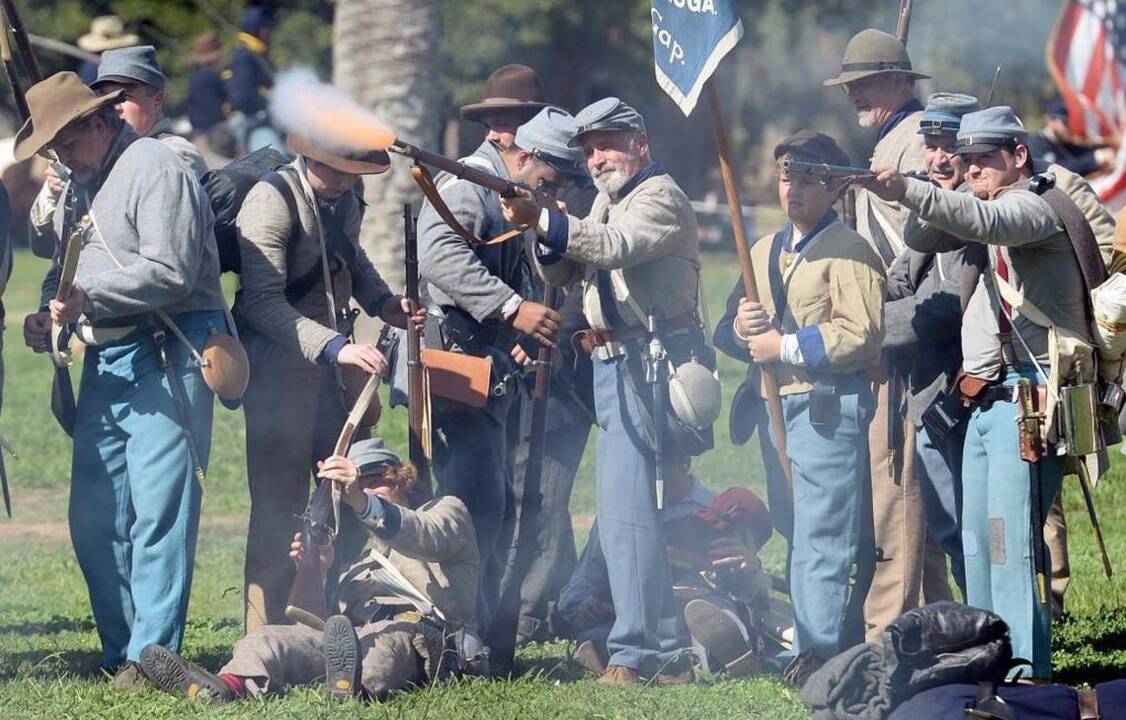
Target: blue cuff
[
  {"x": 813, "y": 349},
  {"x": 383, "y": 519},
  {"x": 550, "y": 248},
  {"x": 332, "y": 350}
]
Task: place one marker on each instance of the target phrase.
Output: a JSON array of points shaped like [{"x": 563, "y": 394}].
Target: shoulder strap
[
  {"x": 296, "y": 290},
  {"x": 774, "y": 272},
  {"x": 425, "y": 181},
  {"x": 1081, "y": 235}
]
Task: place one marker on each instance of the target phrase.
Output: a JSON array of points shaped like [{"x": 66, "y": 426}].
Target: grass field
[{"x": 49, "y": 650}]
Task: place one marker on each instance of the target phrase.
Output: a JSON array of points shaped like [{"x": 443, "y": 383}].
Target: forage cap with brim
[
  {"x": 944, "y": 112},
  {"x": 130, "y": 65},
  {"x": 990, "y": 129},
  {"x": 106, "y": 33},
  {"x": 352, "y": 161},
  {"x": 513, "y": 88},
  {"x": 55, "y": 103},
  {"x": 370, "y": 454},
  {"x": 811, "y": 146},
  {"x": 547, "y": 136},
  {"x": 607, "y": 114},
  {"x": 871, "y": 52}
]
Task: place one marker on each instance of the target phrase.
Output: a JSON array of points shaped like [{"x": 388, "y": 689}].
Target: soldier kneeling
[{"x": 383, "y": 639}]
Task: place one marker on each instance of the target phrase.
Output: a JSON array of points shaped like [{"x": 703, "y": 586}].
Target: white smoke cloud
[{"x": 301, "y": 104}]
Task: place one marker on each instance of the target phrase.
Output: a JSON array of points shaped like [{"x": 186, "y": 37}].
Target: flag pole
[{"x": 735, "y": 207}]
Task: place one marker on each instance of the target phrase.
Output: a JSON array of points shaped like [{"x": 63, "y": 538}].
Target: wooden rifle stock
[
  {"x": 534, "y": 465},
  {"x": 415, "y": 389},
  {"x": 903, "y": 27},
  {"x": 307, "y": 603},
  {"x": 505, "y": 188}
]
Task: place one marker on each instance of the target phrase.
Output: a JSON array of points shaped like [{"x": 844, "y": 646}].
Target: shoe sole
[
  {"x": 720, "y": 635},
  {"x": 342, "y": 653},
  {"x": 172, "y": 674}
]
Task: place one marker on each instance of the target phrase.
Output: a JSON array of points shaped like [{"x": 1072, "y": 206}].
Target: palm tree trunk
[{"x": 383, "y": 53}]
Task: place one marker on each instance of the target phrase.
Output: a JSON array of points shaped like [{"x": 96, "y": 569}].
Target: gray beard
[{"x": 611, "y": 182}]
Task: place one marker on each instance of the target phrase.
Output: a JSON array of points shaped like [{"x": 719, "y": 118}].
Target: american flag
[{"x": 1087, "y": 58}]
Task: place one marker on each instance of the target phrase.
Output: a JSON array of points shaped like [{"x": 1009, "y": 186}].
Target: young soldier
[
  {"x": 820, "y": 323},
  {"x": 1018, "y": 242},
  {"x": 381, "y": 641},
  {"x": 301, "y": 267}
]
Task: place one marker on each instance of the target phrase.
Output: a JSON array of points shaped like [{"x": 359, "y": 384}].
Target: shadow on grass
[
  {"x": 51, "y": 665},
  {"x": 51, "y": 626}
]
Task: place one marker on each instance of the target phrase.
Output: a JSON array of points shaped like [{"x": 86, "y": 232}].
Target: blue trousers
[
  {"x": 997, "y": 535},
  {"x": 829, "y": 465},
  {"x": 939, "y": 467},
  {"x": 648, "y": 631},
  {"x": 134, "y": 500}
]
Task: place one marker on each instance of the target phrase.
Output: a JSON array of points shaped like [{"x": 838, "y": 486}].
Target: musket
[
  {"x": 1032, "y": 450},
  {"x": 992, "y": 87},
  {"x": 13, "y": 77},
  {"x": 903, "y": 27},
  {"x": 533, "y": 468},
  {"x": 1085, "y": 486},
  {"x": 23, "y": 41},
  {"x": 416, "y": 402},
  {"x": 825, "y": 172},
  {"x": 657, "y": 376},
  {"x": 62, "y": 390},
  {"x": 307, "y": 603}
]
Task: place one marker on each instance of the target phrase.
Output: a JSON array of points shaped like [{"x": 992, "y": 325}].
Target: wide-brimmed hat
[
  {"x": 106, "y": 33},
  {"x": 54, "y": 103},
  {"x": 353, "y": 162},
  {"x": 206, "y": 49},
  {"x": 871, "y": 52},
  {"x": 512, "y": 88}
]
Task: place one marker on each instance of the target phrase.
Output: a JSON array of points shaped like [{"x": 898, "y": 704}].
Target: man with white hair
[
  {"x": 637, "y": 255},
  {"x": 877, "y": 76}
]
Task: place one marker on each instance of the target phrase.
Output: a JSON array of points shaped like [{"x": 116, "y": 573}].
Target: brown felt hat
[
  {"x": 871, "y": 52},
  {"x": 55, "y": 103},
  {"x": 354, "y": 162},
  {"x": 512, "y": 88}
]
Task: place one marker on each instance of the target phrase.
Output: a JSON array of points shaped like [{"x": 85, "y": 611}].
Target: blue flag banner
[{"x": 690, "y": 38}]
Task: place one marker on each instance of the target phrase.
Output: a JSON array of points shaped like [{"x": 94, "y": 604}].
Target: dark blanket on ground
[{"x": 851, "y": 686}]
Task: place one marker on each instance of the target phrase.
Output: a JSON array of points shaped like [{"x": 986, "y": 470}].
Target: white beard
[
  {"x": 866, "y": 119},
  {"x": 610, "y": 182}
]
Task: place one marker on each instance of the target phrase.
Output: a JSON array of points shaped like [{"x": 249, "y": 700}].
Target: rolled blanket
[
  {"x": 851, "y": 686},
  {"x": 1109, "y": 326}
]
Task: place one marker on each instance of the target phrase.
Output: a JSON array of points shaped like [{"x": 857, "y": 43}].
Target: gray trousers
[
  {"x": 281, "y": 656},
  {"x": 648, "y": 630},
  {"x": 939, "y": 468}
]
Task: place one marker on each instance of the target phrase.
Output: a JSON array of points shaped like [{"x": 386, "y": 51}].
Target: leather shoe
[
  {"x": 619, "y": 675},
  {"x": 591, "y": 657},
  {"x": 173, "y": 674}
]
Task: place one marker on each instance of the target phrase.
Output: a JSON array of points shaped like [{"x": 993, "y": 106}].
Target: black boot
[
  {"x": 342, "y": 658},
  {"x": 177, "y": 676}
]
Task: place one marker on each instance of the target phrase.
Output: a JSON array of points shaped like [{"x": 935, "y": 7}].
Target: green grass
[{"x": 49, "y": 650}]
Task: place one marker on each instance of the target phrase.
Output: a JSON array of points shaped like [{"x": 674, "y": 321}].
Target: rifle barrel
[
  {"x": 824, "y": 170},
  {"x": 506, "y": 188}
]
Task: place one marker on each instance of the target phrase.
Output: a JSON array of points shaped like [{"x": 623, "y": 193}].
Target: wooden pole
[{"x": 769, "y": 383}]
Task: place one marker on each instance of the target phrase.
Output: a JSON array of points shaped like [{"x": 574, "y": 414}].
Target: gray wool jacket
[
  {"x": 923, "y": 321},
  {"x": 277, "y": 252},
  {"x": 153, "y": 218}
]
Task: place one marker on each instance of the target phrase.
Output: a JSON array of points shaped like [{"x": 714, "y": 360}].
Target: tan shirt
[
  {"x": 835, "y": 283},
  {"x": 881, "y": 222}
]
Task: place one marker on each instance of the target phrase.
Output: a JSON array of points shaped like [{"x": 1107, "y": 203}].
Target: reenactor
[
  {"x": 879, "y": 80},
  {"x": 1030, "y": 286},
  {"x": 381, "y": 639},
  {"x": 249, "y": 80},
  {"x": 820, "y": 326},
  {"x": 923, "y": 321},
  {"x": 637, "y": 255},
  {"x": 481, "y": 307},
  {"x": 145, "y": 298},
  {"x": 302, "y": 265}
]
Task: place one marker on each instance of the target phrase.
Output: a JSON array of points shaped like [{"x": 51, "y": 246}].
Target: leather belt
[{"x": 593, "y": 338}]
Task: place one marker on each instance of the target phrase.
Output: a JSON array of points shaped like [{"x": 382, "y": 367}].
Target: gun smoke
[{"x": 302, "y": 105}]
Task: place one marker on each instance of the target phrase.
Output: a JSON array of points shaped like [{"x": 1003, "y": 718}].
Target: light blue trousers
[
  {"x": 648, "y": 629},
  {"x": 134, "y": 501},
  {"x": 829, "y": 466},
  {"x": 938, "y": 464},
  {"x": 997, "y": 526}
]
